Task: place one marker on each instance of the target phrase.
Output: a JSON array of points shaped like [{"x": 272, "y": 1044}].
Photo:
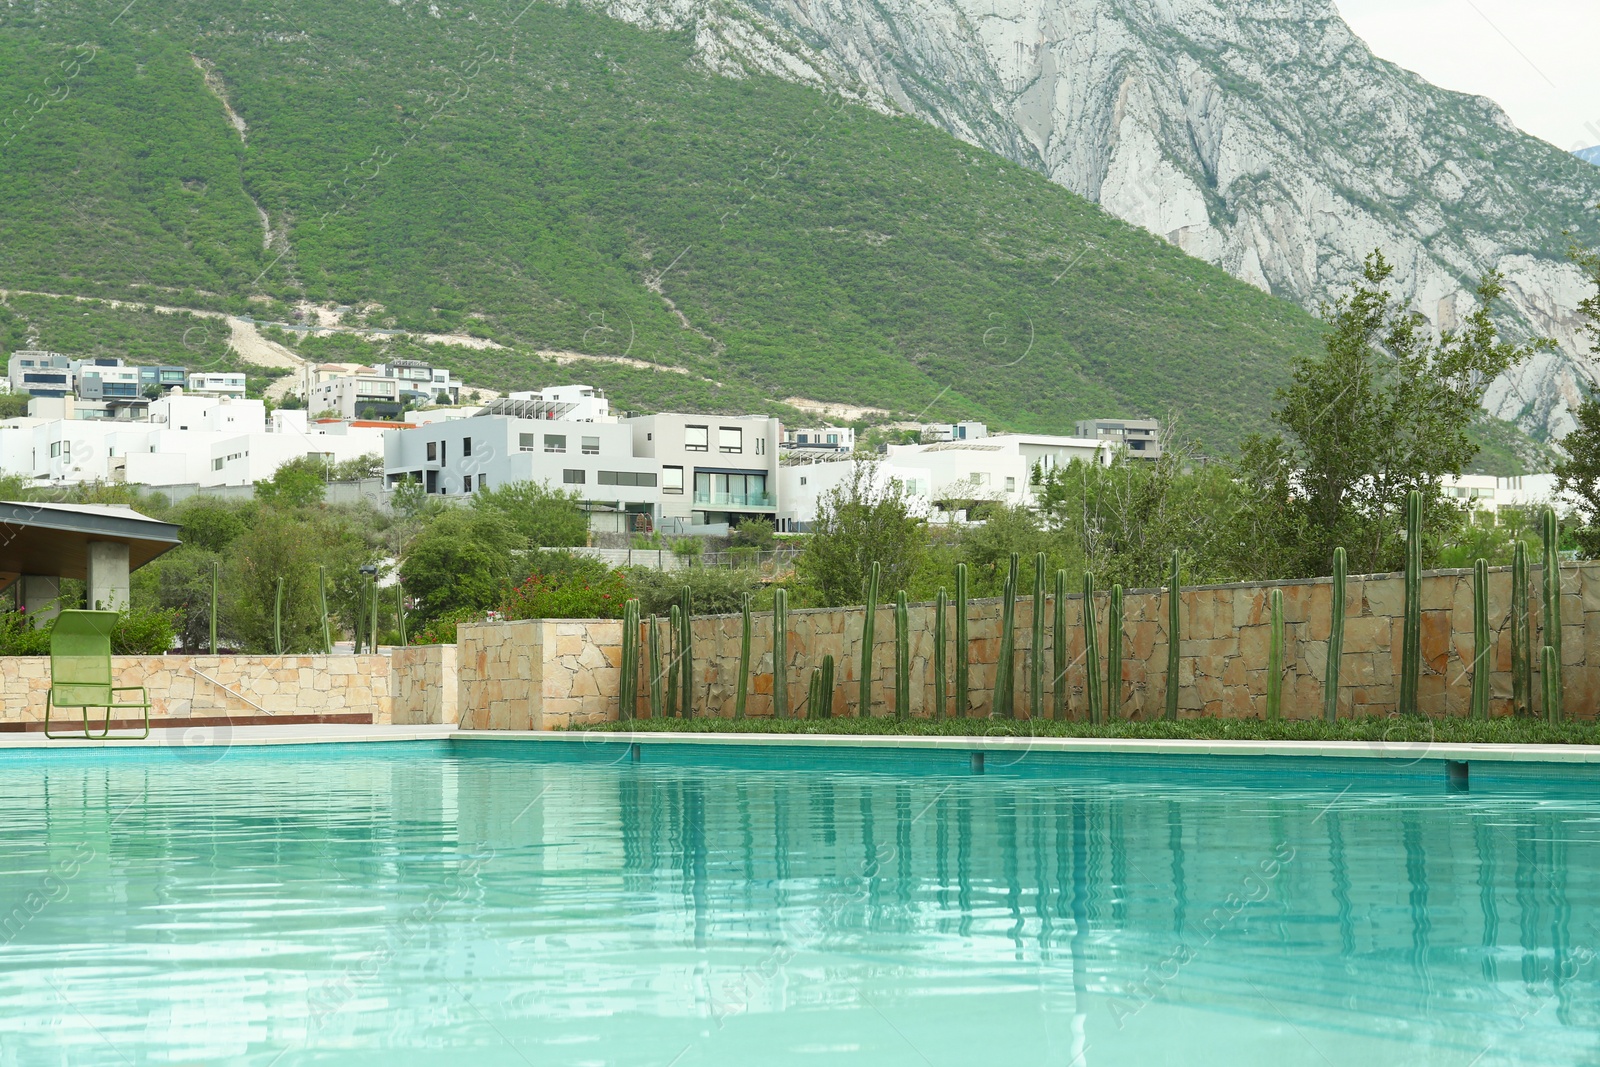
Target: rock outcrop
[{"x": 1261, "y": 135}]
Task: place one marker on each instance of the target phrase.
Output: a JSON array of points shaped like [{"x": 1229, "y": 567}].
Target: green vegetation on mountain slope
[{"x": 555, "y": 180}]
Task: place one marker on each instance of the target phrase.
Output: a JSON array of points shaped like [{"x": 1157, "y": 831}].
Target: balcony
[{"x": 703, "y": 498}]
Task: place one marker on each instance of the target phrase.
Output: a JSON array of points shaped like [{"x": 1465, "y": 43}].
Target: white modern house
[
  {"x": 217, "y": 383},
  {"x": 357, "y": 396},
  {"x": 678, "y": 471},
  {"x": 1486, "y": 493},
  {"x": 823, "y": 439},
  {"x": 803, "y": 485},
  {"x": 186, "y": 440},
  {"x": 596, "y": 460}
]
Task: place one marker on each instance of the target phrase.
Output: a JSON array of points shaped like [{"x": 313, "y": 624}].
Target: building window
[
  {"x": 833, "y": 438},
  {"x": 483, "y": 481},
  {"x": 730, "y": 439},
  {"x": 591, "y": 446},
  {"x": 761, "y": 446},
  {"x": 442, "y": 457},
  {"x": 528, "y": 442},
  {"x": 571, "y": 477},
  {"x": 697, "y": 438},
  {"x": 555, "y": 442},
  {"x": 466, "y": 484},
  {"x": 216, "y": 464},
  {"x": 731, "y": 490},
  {"x": 55, "y": 449},
  {"x": 627, "y": 478},
  {"x": 672, "y": 479},
  {"x": 466, "y": 446},
  {"x": 802, "y": 479},
  {"x": 1011, "y": 485}
]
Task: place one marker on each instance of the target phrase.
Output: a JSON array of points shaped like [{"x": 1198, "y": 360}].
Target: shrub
[
  {"x": 568, "y": 596},
  {"x": 712, "y": 590},
  {"x": 442, "y": 630}
]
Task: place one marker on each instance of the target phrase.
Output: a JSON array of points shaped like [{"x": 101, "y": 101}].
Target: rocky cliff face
[{"x": 1260, "y": 135}]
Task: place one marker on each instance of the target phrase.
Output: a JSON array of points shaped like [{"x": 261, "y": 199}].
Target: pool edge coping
[{"x": 1409, "y": 751}]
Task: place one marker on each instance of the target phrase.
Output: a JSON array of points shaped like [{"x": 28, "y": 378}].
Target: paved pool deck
[
  {"x": 1406, "y": 751},
  {"x": 198, "y": 736},
  {"x": 1013, "y": 746}
]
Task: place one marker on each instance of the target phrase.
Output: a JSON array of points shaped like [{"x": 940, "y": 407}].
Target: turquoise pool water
[{"x": 479, "y": 904}]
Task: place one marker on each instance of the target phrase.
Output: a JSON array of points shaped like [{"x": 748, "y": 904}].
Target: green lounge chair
[{"x": 80, "y": 673}]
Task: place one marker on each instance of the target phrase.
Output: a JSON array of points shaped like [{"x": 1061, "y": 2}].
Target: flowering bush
[
  {"x": 442, "y": 630},
  {"x": 568, "y": 596}
]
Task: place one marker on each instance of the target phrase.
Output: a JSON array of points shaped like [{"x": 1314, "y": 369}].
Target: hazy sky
[{"x": 1538, "y": 59}]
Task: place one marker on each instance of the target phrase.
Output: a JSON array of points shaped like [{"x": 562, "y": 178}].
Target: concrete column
[
  {"x": 41, "y": 598},
  {"x": 108, "y": 576}
]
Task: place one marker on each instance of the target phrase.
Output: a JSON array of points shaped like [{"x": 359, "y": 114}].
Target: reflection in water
[{"x": 570, "y": 913}]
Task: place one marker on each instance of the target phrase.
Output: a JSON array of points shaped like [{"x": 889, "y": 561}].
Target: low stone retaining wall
[
  {"x": 424, "y": 685},
  {"x": 545, "y": 674},
  {"x": 218, "y": 690},
  {"x": 538, "y": 674}
]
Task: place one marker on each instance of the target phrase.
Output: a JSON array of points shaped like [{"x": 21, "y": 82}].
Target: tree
[
  {"x": 987, "y": 547},
  {"x": 1579, "y": 474},
  {"x": 544, "y": 517},
  {"x": 1125, "y": 520},
  {"x": 462, "y": 560},
  {"x": 863, "y": 519},
  {"x": 1385, "y": 409},
  {"x": 13, "y": 405},
  {"x": 299, "y": 483},
  {"x": 291, "y": 546}
]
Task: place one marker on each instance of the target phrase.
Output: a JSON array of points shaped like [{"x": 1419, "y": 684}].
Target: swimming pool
[{"x": 425, "y": 903}]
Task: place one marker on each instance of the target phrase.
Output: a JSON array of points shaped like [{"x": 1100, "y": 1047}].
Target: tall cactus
[
  {"x": 963, "y": 650},
  {"x": 869, "y": 632},
  {"x": 780, "y": 653},
  {"x": 1551, "y": 531},
  {"x": 1091, "y": 650},
  {"x": 1036, "y": 651},
  {"x": 322, "y": 602},
  {"x": 742, "y": 695},
  {"x": 1411, "y": 635},
  {"x": 216, "y": 570},
  {"x": 628, "y": 689},
  {"x": 1550, "y": 680},
  {"x": 941, "y": 662},
  {"x": 1330, "y": 683},
  {"x": 1060, "y": 646},
  {"x": 1521, "y": 633},
  {"x": 1114, "y": 655},
  {"x": 674, "y": 637},
  {"x": 825, "y": 710},
  {"x": 813, "y": 694},
  {"x": 400, "y": 610},
  {"x": 902, "y": 657},
  {"x": 1174, "y": 594},
  {"x": 1005, "y": 669},
  {"x": 1482, "y": 651},
  {"x": 686, "y": 654},
  {"x": 277, "y": 618},
  {"x": 658, "y": 688},
  {"x": 1275, "y": 656}
]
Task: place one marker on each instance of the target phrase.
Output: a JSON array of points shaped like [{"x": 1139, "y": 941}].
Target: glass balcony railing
[{"x": 734, "y": 500}]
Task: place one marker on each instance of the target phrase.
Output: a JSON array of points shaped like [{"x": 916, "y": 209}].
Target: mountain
[
  {"x": 564, "y": 196},
  {"x": 1590, "y": 155},
  {"x": 574, "y": 196},
  {"x": 1260, "y": 135}
]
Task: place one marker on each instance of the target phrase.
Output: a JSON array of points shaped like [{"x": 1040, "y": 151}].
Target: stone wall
[
  {"x": 550, "y": 674},
  {"x": 213, "y": 690},
  {"x": 538, "y": 674},
  {"x": 424, "y": 685}
]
